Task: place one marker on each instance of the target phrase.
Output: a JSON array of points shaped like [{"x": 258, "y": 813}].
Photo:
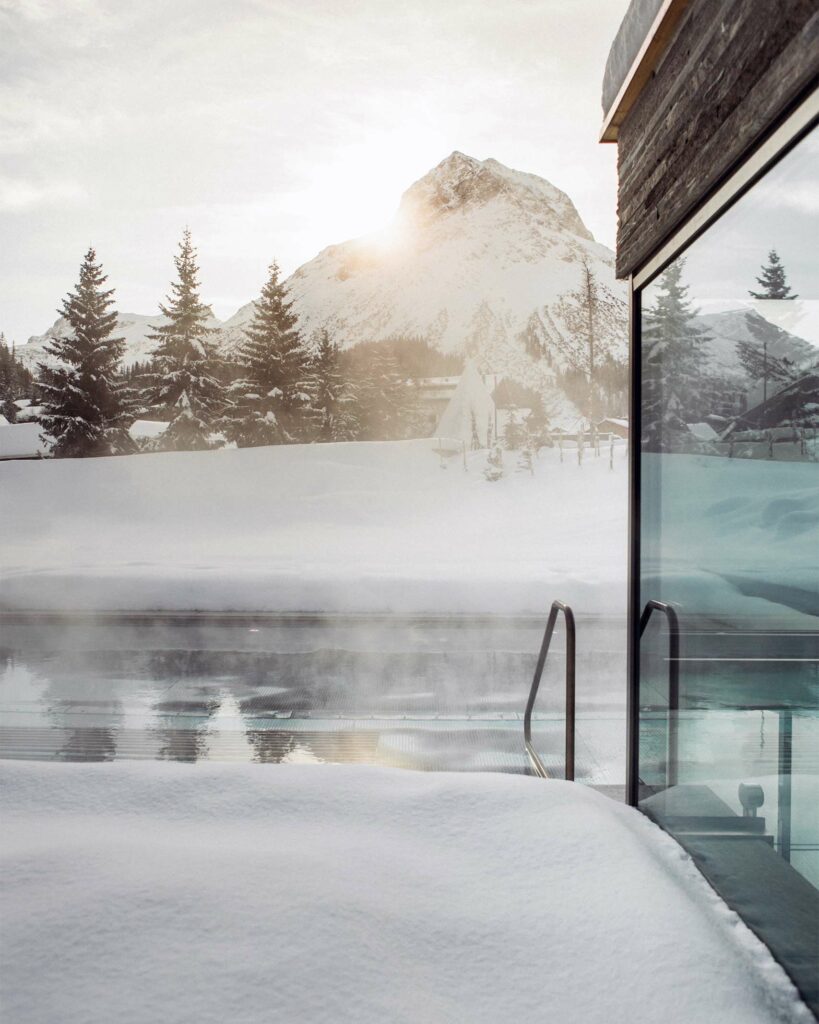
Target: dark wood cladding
[{"x": 733, "y": 71}]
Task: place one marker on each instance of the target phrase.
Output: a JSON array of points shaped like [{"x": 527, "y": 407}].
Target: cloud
[
  {"x": 18, "y": 196},
  {"x": 799, "y": 196}
]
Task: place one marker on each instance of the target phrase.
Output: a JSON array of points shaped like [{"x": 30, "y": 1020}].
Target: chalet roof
[{"x": 21, "y": 441}]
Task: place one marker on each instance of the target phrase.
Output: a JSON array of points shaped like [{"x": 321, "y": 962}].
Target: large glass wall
[{"x": 728, "y": 735}]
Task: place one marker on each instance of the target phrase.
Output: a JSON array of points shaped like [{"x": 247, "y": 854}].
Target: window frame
[{"x": 735, "y": 185}]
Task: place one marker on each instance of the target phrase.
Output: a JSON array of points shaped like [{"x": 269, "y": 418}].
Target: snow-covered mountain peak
[
  {"x": 461, "y": 183},
  {"x": 481, "y": 261}
]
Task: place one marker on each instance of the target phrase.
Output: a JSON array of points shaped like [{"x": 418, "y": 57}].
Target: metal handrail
[
  {"x": 672, "y": 755},
  {"x": 537, "y": 764}
]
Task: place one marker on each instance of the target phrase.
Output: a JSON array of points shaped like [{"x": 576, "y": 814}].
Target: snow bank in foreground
[
  {"x": 338, "y": 527},
  {"x": 148, "y": 892}
]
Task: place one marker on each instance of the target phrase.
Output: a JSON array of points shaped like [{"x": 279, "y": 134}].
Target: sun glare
[{"x": 357, "y": 192}]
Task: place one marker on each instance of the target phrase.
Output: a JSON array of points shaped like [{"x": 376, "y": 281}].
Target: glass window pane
[{"x": 729, "y": 539}]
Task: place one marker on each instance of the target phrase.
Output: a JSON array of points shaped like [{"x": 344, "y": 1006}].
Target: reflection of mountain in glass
[{"x": 732, "y": 383}]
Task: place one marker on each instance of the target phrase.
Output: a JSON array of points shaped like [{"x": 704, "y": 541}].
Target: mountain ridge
[{"x": 478, "y": 259}]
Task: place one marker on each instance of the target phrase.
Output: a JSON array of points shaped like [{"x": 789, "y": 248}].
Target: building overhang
[{"x": 645, "y": 60}]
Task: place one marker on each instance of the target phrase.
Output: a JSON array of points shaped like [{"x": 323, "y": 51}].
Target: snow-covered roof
[
  {"x": 142, "y": 429},
  {"x": 21, "y": 441},
  {"x": 702, "y": 431},
  {"x": 438, "y": 382},
  {"x": 612, "y": 419}
]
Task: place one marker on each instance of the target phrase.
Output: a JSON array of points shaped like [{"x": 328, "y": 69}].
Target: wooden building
[{"x": 713, "y": 105}]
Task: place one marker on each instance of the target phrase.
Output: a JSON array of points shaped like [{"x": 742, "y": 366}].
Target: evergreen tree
[
  {"x": 15, "y": 381},
  {"x": 270, "y": 403},
  {"x": 85, "y": 403},
  {"x": 772, "y": 279},
  {"x": 386, "y": 401},
  {"x": 673, "y": 362},
  {"x": 754, "y": 356},
  {"x": 513, "y": 434},
  {"x": 184, "y": 381},
  {"x": 333, "y": 399},
  {"x": 186, "y": 432}
]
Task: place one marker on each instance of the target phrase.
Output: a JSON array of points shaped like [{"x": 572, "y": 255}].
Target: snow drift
[{"x": 147, "y": 892}]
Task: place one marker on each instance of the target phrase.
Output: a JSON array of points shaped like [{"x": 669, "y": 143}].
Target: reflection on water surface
[{"x": 430, "y": 694}]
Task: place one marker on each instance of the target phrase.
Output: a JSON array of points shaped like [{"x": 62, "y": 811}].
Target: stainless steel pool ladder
[
  {"x": 537, "y": 764},
  {"x": 672, "y": 756}
]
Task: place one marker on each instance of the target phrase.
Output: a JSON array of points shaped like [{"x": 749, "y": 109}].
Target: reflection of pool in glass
[
  {"x": 421, "y": 693},
  {"x": 748, "y": 715},
  {"x": 723, "y": 749}
]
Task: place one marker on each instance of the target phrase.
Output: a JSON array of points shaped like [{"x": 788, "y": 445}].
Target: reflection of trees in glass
[
  {"x": 756, "y": 360},
  {"x": 187, "y": 745},
  {"x": 91, "y": 744},
  {"x": 773, "y": 280},
  {"x": 673, "y": 358}
]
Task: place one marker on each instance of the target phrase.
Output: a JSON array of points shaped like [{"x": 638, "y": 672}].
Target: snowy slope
[
  {"x": 153, "y": 892},
  {"x": 477, "y": 254}
]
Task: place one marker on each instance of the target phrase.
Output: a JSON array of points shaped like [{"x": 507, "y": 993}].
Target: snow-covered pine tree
[
  {"x": 513, "y": 432},
  {"x": 85, "y": 403},
  {"x": 270, "y": 402},
  {"x": 386, "y": 401},
  {"x": 184, "y": 380},
  {"x": 757, "y": 361},
  {"x": 773, "y": 280},
  {"x": 673, "y": 360},
  {"x": 15, "y": 381},
  {"x": 186, "y": 431},
  {"x": 333, "y": 398}
]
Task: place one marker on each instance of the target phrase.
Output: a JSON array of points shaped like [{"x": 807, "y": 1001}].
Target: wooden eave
[{"x": 643, "y": 67}]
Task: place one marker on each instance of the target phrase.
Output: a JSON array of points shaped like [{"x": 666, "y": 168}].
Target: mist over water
[{"x": 416, "y": 692}]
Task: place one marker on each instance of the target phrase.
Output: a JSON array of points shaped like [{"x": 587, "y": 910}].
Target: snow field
[
  {"x": 145, "y": 892},
  {"x": 358, "y": 527}
]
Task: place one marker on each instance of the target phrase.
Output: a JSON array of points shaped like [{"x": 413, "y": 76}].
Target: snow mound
[{"x": 325, "y": 894}]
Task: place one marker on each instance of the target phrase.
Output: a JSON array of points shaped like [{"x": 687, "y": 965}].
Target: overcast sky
[{"x": 271, "y": 127}]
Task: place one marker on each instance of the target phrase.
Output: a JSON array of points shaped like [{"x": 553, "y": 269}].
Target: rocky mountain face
[
  {"x": 133, "y": 327},
  {"x": 480, "y": 260},
  {"x": 726, "y": 330}
]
